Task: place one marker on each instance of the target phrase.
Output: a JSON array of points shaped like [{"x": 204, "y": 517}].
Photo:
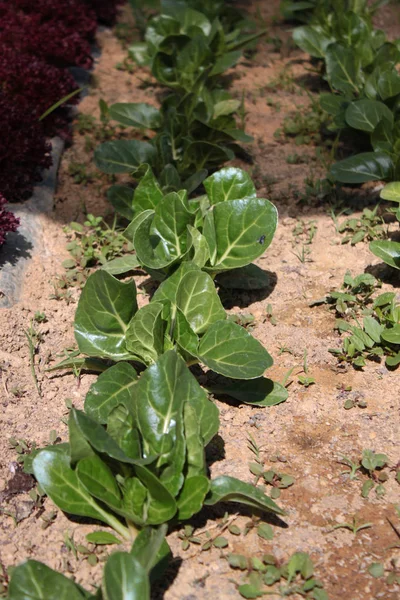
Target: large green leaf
[
  {"x": 123, "y": 156},
  {"x": 125, "y": 578},
  {"x": 169, "y": 288},
  {"x": 122, "y": 264},
  {"x": 382, "y": 138},
  {"x": 161, "y": 506},
  {"x": 151, "y": 549},
  {"x": 230, "y": 350},
  {"x": 366, "y": 114},
  {"x": 192, "y": 496},
  {"x": 199, "y": 302},
  {"x": 55, "y": 476},
  {"x": 104, "y": 310},
  {"x": 111, "y": 388},
  {"x": 341, "y": 68},
  {"x": 122, "y": 428},
  {"x": 229, "y": 183},
  {"x": 388, "y": 251},
  {"x": 145, "y": 334},
  {"x": 33, "y": 580},
  {"x": 159, "y": 398},
  {"x": 392, "y": 335},
  {"x": 388, "y": 84},
  {"x": 242, "y": 230},
  {"x": 148, "y": 193},
  {"x": 312, "y": 39},
  {"x": 162, "y": 237},
  {"x": 97, "y": 478},
  {"x": 133, "y": 114},
  {"x": 367, "y": 166},
  {"x": 229, "y": 489}
]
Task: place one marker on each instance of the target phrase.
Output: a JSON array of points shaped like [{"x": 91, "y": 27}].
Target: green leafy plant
[
  {"x": 291, "y": 578},
  {"x": 378, "y": 335},
  {"x": 354, "y": 296},
  {"x": 369, "y": 226},
  {"x": 387, "y": 250},
  {"x": 371, "y": 464},
  {"x": 195, "y": 132},
  {"x": 221, "y": 232}
]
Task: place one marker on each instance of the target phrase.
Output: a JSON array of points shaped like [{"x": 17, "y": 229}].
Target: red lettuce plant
[{"x": 8, "y": 221}]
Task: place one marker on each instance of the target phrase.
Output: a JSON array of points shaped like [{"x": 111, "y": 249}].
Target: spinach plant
[
  {"x": 182, "y": 46},
  {"x": 186, "y": 314},
  {"x": 126, "y": 576},
  {"x": 221, "y": 232},
  {"x": 360, "y": 68},
  {"x": 135, "y": 457},
  {"x": 195, "y": 132},
  {"x": 388, "y": 250}
]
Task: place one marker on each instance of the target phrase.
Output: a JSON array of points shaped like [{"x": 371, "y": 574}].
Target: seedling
[
  {"x": 368, "y": 227},
  {"x": 291, "y": 578},
  {"x": 355, "y": 527},
  {"x": 34, "y": 337},
  {"x": 354, "y": 296},
  {"x": 270, "y": 316},
  {"x": 371, "y": 464}
]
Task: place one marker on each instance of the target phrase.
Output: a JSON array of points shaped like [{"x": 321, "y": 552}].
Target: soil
[{"x": 305, "y": 436}]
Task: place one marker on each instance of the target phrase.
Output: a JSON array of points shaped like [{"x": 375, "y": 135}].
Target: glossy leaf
[
  {"x": 97, "y": 478},
  {"x": 161, "y": 506},
  {"x": 105, "y": 308},
  {"x": 229, "y": 183},
  {"x": 192, "y": 496},
  {"x": 341, "y": 68},
  {"x": 391, "y": 191},
  {"x": 122, "y": 264},
  {"x": 145, "y": 334},
  {"x": 242, "y": 358},
  {"x": 242, "y": 230},
  {"x": 121, "y": 197},
  {"x": 368, "y": 166},
  {"x": 148, "y": 193},
  {"x": 312, "y": 39},
  {"x": 113, "y": 387},
  {"x": 125, "y": 578},
  {"x": 32, "y": 580},
  {"x": 198, "y": 300},
  {"x": 123, "y": 156},
  {"x": 366, "y": 114},
  {"x": 230, "y": 489},
  {"x": 150, "y": 547}
]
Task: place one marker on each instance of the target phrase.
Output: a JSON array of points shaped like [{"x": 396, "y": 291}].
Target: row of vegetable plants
[
  {"x": 38, "y": 43},
  {"x": 135, "y": 459},
  {"x": 359, "y": 65}
]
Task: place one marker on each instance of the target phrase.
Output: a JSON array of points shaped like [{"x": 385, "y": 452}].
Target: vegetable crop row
[
  {"x": 360, "y": 66},
  {"x": 135, "y": 459}
]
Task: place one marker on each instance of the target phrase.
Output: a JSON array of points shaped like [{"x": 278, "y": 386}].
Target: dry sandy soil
[{"x": 309, "y": 433}]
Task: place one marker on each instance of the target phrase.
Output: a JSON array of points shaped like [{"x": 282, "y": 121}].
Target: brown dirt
[{"x": 309, "y": 432}]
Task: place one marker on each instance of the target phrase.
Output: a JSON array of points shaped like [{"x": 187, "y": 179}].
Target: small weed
[
  {"x": 291, "y": 578},
  {"x": 283, "y": 81},
  {"x": 278, "y": 481},
  {"x": 354, "y": 526},
  {"x": 246, "y": 320},
  {"x": 34, "y": 338},
  {"x": 304, "y": 125},
  {"x": 80, "y": 174},
  {"x": 296, "y": 159},
  {"x": 353, "y": 297},
  {"x": 304, "y": 231},
  {"x": 368, "y": 227},
  {"x": 372, "y": 465},
  {"x": 274, "y": 104},
  {"x": 270, "y": 316}
]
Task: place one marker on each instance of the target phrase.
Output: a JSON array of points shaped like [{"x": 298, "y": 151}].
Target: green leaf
[
  {"x": 376, "y": 570},
  {"x": 243, "y": 230},
  {"x": 265, "y": 531},
  {"x": 242, "y": 358},
  {"x": 367, "y": 166},
  {"x": 145, "y": 334},
  {"x": 104, "y": 310},
  {"x": 341, "y": 68},
  {"x": 123, "y": 156},
  {"x": 184, "y": 335},
  {"x": 125, "y": 579},
  {"x": 198, "y": 300},
  {"x": 373, "y": 329},
  {"x": 391, "y": 191},
  {"x": 122, "y": 264},
  {"x": 148, "y": 193},
  {"x": 57, "y": 479},
  {"x": 134, "y": 114},
  {"x": 161, "y": 506},
  {"x": 388, "y": 251},
  {"x": 229, "y": 489},
  {"x": 366, "y": 114},
  {"x": 121, "y": 427},
  {"x": 162, "y": 237},
  {"x": 169, "y": 288},
  {"x": 32, "y": 580},
  {"x": 97, "y": 478},
  {"x": 312, "y": 39},
  {"x": 229, "y": 183},
  {"x": 225, "y": 107},
  {"x": 258, "y": 392},
  {"x": 102, "y": 538},
  {"x": 159, "y": 399},
  {"x": 225, "y": 62},
  {"x": 121, "y": 197},
  {"x": 192, "y": 495},
  {"x": 392, "y": 335},
  {"x": 250, "y": 277}
]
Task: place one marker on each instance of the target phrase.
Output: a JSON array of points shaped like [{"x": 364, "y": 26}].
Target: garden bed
[{"x": 306, "y": 436}]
